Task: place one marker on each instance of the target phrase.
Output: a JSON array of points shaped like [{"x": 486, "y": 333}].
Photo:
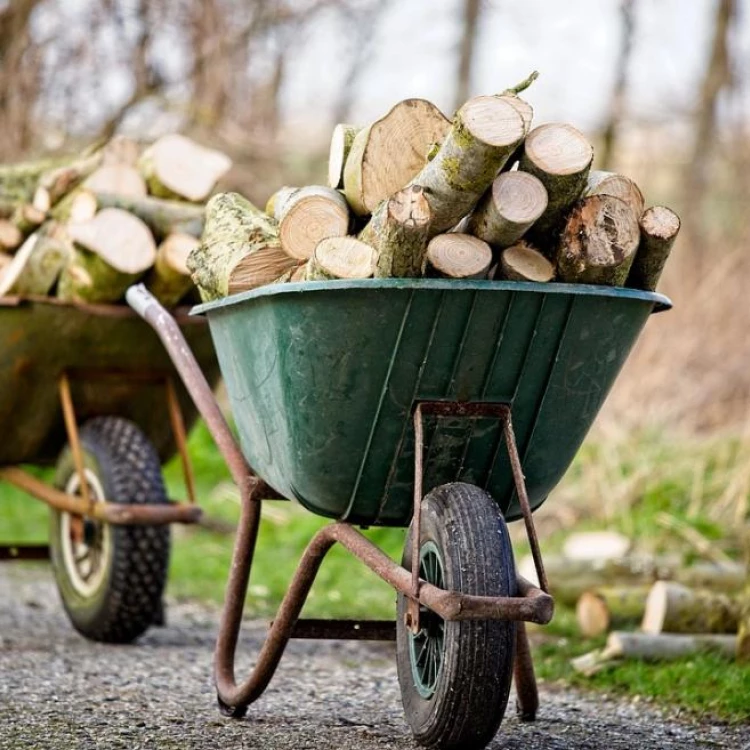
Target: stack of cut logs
[
  {"x": 412, "y": 194},
  {"x": 83, "y": 229},
  {"x": 651, "y": 608}
]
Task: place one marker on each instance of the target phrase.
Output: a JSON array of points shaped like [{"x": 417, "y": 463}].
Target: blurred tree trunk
[
  {"x": 472, "y": 10},
  {"x": 617, "y": 105},
  {"x": 718, "y": 75}
]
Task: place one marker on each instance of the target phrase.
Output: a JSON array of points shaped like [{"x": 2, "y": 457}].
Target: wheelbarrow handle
[{"x": 165, "y": 326}]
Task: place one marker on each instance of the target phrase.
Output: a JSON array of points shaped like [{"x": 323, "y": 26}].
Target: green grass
[{"x": 200, "y": 559}]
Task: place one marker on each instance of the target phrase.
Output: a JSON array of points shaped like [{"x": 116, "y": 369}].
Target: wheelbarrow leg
[{"x": 527, "y": 695}]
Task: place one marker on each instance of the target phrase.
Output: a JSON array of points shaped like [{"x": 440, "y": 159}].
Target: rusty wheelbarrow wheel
[
  {"x": 111, "y": 578},
  {"x": 455, "y": 676}
]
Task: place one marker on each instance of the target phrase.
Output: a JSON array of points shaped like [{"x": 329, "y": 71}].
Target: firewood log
[
  {"x": 280, "y": 196},
  {"x": 522, "y": 262},
  {"x": 163, "y": 217},
  {"x": 299, "y": 273},
  {"x": 521, "y": 106},
  {"x": 27, "y": 218},
  {"x": 121, "y": 150},
  {"x": 77, "y": 206},
  {"x": 55, "y": 183},
  {"x": 600, "y": 182},
  {"x": 10, "y": 235},
  {"x": 119, "y": 179},
  {"x": 239, "y": 250},
  {"x": 659, "y": 227},
  {"x": 309, "y": 215},
  {"x": 341, "y": 144},
  {"x": 603, "y": 609},
  {"x": 560, "y": 156},
  {"x": 674, "y": 608},
  {"x": 598, "y": 243},
  {"x": 386, "y": 155},
  {"x": 458, "y": 256},
  {"x": 341, "y": 258},
  {"x": 398, "y": 232},
  {"x": 169, "y": 280},
  {"x": 484, "y": 133},
  {"x": 177, "y": 167},
  {"x": 506, "y": 211},
  {"x": 38, "y": 264},
  {"x": 111, "y": 251}
]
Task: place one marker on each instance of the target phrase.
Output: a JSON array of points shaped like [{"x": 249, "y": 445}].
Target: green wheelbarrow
[{"x": 448, "y": 407}]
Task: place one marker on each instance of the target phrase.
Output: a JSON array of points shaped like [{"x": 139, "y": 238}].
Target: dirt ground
[{"x": 61, "y": 692}]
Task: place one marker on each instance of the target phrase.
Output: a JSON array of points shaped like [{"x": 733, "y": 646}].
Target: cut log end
[
  {"x": 558, "y": 149},
  {"x": 522, "y": 107},
  {"x": 493, "y": 120},
  {"x": 522, "y": 262},
  {"x": 341, "y": 258},
  {"x": 661, "y": 222},
  {"x": 341, "y": 143},
  {"x": 10, "y": 235},
  {"x": 409, "y": 207},
  {"x": 609, "y": 183},
  {"x": 117, "y": 179},
  {"x": 592, "y": 614},
  {"x": 458, "y": 256}
]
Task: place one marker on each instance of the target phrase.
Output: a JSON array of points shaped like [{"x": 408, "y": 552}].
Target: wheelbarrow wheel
[
  {"x": 455, "y": 677},
  {"x": 111, "y": 578}
]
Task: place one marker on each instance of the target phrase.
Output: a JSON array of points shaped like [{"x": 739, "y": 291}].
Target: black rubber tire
[
  {"x": 128, "y": 598},
  {"x": 471, "y": 693}
]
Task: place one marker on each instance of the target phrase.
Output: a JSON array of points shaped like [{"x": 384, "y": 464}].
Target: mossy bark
[
  {"x": 78, "y": 205},
  {"x": 659, "y": 227},
  {"x": 51, "y": 252},
  {"x": 163, "y": 217},
  {"x": 88, "y": 278},
  {"x": 18, "y": 182},
  {"x": 466, "y": 163},
  {"x": 27, "y": 218},
  {"x": 398, "y": 231},
  {"x": 169, "y": 279},
  {"x": 604, "y": 609},
  {"x": 599, "y": 242}
]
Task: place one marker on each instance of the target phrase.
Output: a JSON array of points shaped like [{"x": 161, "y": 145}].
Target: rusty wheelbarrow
[
  {"x": 90, "y": 388},
  {"x": 448, "y": 407}
]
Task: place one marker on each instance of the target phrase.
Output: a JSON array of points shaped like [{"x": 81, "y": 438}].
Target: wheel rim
[
  {"x": 85, "y": 560},
  {"x": 426, "y": 648}
]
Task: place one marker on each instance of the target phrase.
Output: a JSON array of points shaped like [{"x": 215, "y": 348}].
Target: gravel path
[{"x": 60, "y": 692}]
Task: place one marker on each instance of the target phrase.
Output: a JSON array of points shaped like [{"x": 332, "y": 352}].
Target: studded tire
[
  {"x": 455, "y": 677},
  {"x": 115, "y": 594}
]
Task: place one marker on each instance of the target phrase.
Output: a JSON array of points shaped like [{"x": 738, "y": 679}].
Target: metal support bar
[
  {"x": 115, "y": 513},
  {"x": 71, "y": 427},
  {"x": 13, "y": 552},
  {"x": 180, "y": 439},
  {"x": 527, "y": 695},
  {"x": 352, "y": 630}
]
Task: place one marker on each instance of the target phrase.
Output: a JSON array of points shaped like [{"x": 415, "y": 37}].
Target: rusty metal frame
[{"x": 532, "y": 605}]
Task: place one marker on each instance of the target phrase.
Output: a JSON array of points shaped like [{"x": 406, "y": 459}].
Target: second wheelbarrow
[{"x": 448, "y": 407}]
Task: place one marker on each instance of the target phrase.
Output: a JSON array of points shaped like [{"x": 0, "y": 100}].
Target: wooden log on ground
[
  {"x": 38, "y": 267},
  {"x": 163, "y": 217},
  {"x": 77, "y": 206},
  {"x": 659, "y": 227},
  {"x": 560, "y": 156},
  {"x": 507, "y": 210},
  {"x": 603, "y": 609},
  {"x": 10, "y": 235},
  {"x": 341, "y": 144},
  {"x": 169, "y": 280},
  {"x": 599, "y": 242},
  {"x": 309, "y": 215},
  {"x": 484, "y": 133},
  {"x": 458, "y": 256},
  {"x": 175, "y": 166},
  {"x": 652, "y": 648},
  {"x": 118, "y": 179},
  {"x": 600, "y": 182},
  {"x": 398, "y": 231},
  {"x": 111, "y": 251},
  {"x": 341, "y": 258},
  {"x": 674, "y": 608},
  {"x": 385, "y": 156},
  {"x": 522, "y": 262},
  {"x": 239, "y": 250},
  {"x": 27, "y": 218}
]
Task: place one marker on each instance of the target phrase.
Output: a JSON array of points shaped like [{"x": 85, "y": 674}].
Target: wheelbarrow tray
[
  {"x": 115, "y": 362},
  {"x": 323, "y": 378}
]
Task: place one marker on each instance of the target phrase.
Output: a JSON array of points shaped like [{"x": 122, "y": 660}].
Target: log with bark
[
  {"x": 119, "y": 179},
  {"x": 598, "y": 243},
  {"x": 385, "y": 156},
  {"x": 398, "y": 231},
  {"x": 341, "y": 144},
  {"x": 77, "y": 206},
  {"x": 600, "y": 182},
  {"x": 177, "y": 167},
  {"x": 341, "y": 258},
  {"x": 659, "y": 227},
  {"x": 111, "y": 251},
  {"x": 560, "y": 156},
  {"x": 308, "y": 215},
  {"x": 239, "y": 250},
  {"x": 169, "y": 280},
  {"x": 19, "y": 182},
  {"x": 674, "y": 608},
  {"x": 522, "y": 262},
  {"x": 10, "y": 235},
  {"x": 507, "y": 210},
  {"x": 27, "y": 218},
  {"x": 648, "y": 647},
  {"x": 603, "y": 609},
  {"x": 57, "y": 182},
  {"x": 458, "y": 256}
]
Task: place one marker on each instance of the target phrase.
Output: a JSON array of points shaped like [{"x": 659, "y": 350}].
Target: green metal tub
[{"x": 323, "y": 378}]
